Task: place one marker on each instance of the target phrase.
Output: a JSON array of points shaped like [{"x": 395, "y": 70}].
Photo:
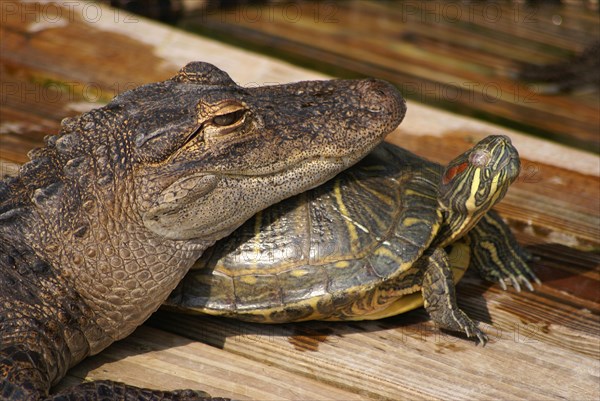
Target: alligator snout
[{"x": 380, "y": 96}]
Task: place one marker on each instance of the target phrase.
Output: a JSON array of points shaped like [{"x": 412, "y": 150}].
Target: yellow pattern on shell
[
  {"x": 344, "y": 211},
  {"x": 248, "y": 280},
  {"x": 409, "y": 221},
  {"x": 299, "y": 273},
  {"x": 342, "y": 264}
]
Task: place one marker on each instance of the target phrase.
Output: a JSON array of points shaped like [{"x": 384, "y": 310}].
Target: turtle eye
[
  {"x": 479, "y": 158},
  {"x": 224, "y": 120}
]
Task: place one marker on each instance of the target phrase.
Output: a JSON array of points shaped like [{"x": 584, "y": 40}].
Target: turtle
[{"x": 392, "y": 233}]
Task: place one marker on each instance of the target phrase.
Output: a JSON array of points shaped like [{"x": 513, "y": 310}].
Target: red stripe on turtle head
[{"x": 453, "y": 172}]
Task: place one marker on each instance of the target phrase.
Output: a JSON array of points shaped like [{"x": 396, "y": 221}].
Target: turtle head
[{"x": 474, "y": 182}]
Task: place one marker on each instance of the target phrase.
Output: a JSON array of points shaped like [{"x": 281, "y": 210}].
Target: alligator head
[
  {"x": 123, "y": 201},
  {"x": 227, "y": 152}
]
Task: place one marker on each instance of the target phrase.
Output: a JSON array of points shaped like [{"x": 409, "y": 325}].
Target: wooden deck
[
  {"x": 544, "y": 345},
  {"x": 460, "y": 56}
]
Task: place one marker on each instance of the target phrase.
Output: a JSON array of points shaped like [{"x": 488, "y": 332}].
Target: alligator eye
[{"x": 228, "y": 119}]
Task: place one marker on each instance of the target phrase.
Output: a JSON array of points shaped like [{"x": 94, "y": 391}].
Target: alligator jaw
[{"x": 208, "y": 212}]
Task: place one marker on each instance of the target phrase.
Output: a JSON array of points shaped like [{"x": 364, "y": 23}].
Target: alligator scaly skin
[{"x": 105, "y": 220}]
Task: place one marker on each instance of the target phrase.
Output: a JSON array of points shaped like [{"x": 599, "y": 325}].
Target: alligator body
[{"x": 104, "y": 221}]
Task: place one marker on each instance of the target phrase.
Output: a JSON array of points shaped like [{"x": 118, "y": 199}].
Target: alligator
[{"x": 102, "y": 223}]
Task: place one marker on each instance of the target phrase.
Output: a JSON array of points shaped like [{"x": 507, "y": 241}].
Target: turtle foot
[
  {"x": 497, "y": 255},
  {"x": 457, "y": 320},
  {"x": 515, "y": 273}
]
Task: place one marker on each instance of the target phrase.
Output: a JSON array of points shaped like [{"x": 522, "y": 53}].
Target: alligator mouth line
[{"x": 281, "y": 166}]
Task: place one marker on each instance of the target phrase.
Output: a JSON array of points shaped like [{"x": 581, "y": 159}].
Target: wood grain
[
  {"x": 459, "y": 56},
  {"x": 544, "y": 345}
]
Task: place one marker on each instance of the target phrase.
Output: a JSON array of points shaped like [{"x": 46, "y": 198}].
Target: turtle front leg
[
  {"x": 496, "y": 254},
  {"x": 439, "y": 296}
]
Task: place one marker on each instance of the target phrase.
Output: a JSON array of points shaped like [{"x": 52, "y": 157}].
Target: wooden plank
[
  {"x": 407, "y": 357},
  {"x": 544, "y": 345},
  {"x": 157, "y": 359},
  {"x": 460, "y": 56}
]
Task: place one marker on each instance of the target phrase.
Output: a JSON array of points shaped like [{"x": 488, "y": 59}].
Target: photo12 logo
[
  {"x": 61, "y": 13},
  {"x": 469, "y": 12},
  {"x": 284, "y": 12},
  {"x": 49, "y": 91},
  {"x": 469, "y": 92}
]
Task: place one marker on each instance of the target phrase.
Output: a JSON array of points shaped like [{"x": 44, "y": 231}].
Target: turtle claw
[
  {"x": 483, "y": 339},
  {"x": 457, "y": 320},
  {"x": 515, "y": 283},
  {"x": 527, "y": 283},
  {"x": 515, "y": 274},
  {"x": 474, "y": 331}
]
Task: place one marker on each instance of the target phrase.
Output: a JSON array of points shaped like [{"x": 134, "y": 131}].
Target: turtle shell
[{"x": 324, "y": 250}]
